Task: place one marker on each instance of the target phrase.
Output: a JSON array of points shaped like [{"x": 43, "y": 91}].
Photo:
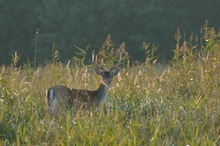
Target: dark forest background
[{"x": 66, "y": 23}]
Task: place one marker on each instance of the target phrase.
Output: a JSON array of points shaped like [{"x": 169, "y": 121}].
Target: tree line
[{"x": 63, "y": 24}]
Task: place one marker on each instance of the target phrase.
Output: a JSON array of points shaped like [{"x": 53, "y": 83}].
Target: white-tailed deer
[{"x": 60, "y": 96}]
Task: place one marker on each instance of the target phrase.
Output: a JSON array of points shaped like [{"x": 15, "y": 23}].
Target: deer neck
[{"x": 102, "y": 92}]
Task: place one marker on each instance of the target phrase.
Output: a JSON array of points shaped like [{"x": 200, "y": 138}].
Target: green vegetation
[
  {"x": 85, "y": 22},
  {"x": 148, "y": 104}
]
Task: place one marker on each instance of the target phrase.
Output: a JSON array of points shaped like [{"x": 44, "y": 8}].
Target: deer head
[{"x": 107, "y": 75}]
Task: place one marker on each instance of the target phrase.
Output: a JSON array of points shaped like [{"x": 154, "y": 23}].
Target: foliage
[
  {"x": 86, "y": 23},
  {"x": 176, "y": 104},
  {"x": 150, "y": 56},
  {"x": 108, "y": 55}
]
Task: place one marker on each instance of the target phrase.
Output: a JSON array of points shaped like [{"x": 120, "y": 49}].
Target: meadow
[{"x": 149, "y": 103}]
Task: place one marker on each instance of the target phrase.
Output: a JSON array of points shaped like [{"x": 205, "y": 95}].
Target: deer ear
[{"x": 115, "y": 72}]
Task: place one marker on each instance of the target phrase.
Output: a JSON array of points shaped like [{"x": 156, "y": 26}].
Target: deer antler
[
  {"x": 94, "y": 60},
  {"x": 119, "y": 62}
]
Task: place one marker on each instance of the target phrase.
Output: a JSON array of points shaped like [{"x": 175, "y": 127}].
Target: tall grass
[{"x": 174, "y": 104}]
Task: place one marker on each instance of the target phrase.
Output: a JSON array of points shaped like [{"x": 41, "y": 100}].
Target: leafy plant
[{"x": 146, "y": 106}]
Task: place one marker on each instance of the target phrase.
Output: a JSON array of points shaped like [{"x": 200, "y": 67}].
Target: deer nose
[{"x": 108, "y": 81}]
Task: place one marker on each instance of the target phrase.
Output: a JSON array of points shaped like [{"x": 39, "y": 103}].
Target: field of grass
[{"x": 173, "y": 104}]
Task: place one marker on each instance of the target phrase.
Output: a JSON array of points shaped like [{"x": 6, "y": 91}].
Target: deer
[{"x": 60, "y": 96}]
